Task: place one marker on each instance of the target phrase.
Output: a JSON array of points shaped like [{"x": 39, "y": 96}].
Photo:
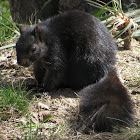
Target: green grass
[
  {"x": 30, "y": 130},
  {"x": 13, "y": 102},
  {"x": 8, "y": 29}
]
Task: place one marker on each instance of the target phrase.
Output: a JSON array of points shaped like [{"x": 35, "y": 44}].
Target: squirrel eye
[{"x": 33, "y": 48}]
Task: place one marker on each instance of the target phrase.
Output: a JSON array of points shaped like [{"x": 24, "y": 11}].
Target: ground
[{"x": 62, "y": 109}]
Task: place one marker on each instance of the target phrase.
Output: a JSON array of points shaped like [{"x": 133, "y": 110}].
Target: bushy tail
[{"x": 104, "y": 105}]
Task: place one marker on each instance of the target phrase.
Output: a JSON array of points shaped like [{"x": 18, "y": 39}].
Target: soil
[{"x": 61, "y": 109}]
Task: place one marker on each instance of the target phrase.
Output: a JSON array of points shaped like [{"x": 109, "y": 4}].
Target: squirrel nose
[{"x": 24, "y": 62}]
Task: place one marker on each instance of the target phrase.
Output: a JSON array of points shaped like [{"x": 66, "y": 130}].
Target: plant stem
[{"x": 7, "y": 46}]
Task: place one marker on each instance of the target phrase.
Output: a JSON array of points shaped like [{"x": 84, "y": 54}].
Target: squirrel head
[{"x": 30, "y": 45}]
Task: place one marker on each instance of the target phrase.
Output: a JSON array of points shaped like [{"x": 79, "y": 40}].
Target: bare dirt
[{"x": 62, "y": 109}]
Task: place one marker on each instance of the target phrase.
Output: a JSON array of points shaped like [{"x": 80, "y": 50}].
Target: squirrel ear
[
  {"x": 22, "y": 28},
  {"x": 38, "y": 33}
]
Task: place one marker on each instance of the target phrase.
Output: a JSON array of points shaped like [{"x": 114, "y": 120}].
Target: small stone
[
  {"x": 44, "y": 115},
  {"x": 43, "y": 106},
  {"x": 23, "y": 121}
]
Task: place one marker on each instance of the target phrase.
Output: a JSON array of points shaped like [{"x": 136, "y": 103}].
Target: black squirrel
[{"x": 71, "y": 50}]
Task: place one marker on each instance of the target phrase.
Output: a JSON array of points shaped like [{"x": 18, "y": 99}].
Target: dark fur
[
  {"x": 105, "y": 105},
  {"x": 73, "y": 50}
]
